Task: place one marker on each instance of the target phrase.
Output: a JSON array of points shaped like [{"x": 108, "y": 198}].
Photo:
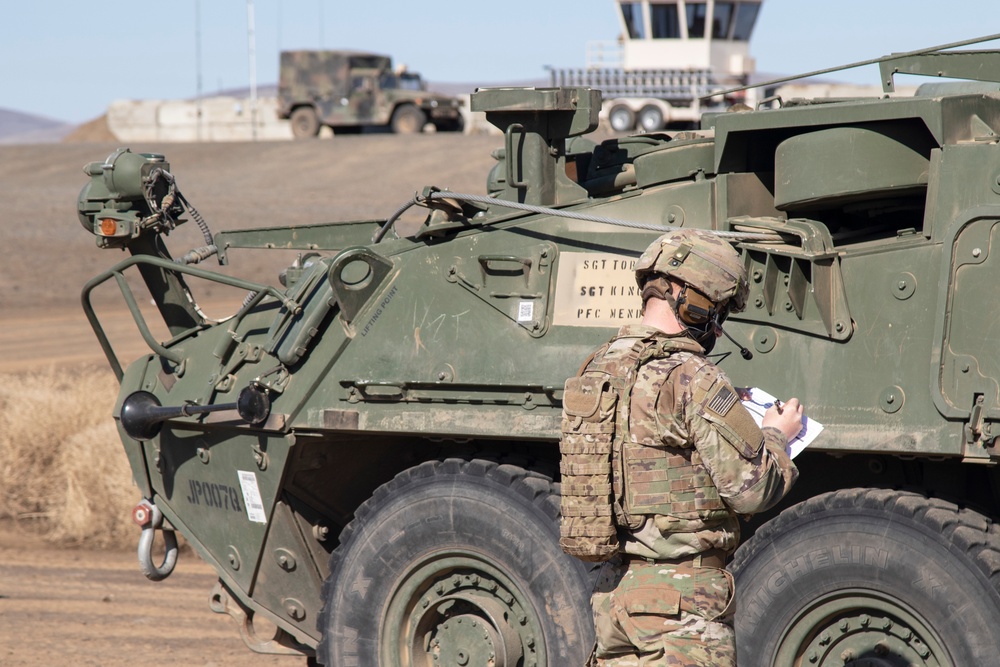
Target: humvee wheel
[
  {"x": 305, "y": 123},
  {"x": 456, "y": 563},
  {"x": 449, "y": 125},
  {"x": 408, "y": 119},
  {"x": 870, "y": 578}
]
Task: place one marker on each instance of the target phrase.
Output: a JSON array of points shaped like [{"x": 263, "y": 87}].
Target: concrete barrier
[
  {"x": 223, "y": 118},
  {"x": 210, "y": 119}
]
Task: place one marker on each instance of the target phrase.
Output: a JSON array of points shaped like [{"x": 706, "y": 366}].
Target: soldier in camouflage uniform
[{"x": 691, "y": 461}]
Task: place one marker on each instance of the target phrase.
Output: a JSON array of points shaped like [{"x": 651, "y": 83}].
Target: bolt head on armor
[{"x": 700, "y": 259}]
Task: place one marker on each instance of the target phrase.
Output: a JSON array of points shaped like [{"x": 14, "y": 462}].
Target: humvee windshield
[{"x": 405, "y": 81}]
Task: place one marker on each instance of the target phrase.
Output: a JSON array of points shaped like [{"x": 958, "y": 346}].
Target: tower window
[
  {"x": 696, "y": 13},
  {"x": 632, "y": 13},
  {"x": 746, "y": 16},
  {"x": 722, "y": 19},
  {"x": 666, "y": 22}
]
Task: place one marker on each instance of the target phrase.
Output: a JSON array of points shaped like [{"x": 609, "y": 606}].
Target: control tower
[
  {"x": 678, "y": 34},
  {"x": 669, "y": 54}
]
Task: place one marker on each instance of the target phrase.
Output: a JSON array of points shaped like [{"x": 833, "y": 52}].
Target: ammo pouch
[
  {"x": 588, "y": 530},
  {"x": 593, "y": 403}
]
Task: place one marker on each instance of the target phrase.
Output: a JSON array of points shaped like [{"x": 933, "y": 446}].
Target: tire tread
[
  {"x": 973, "y": 533},
  {"x": 536, "y": 487},
  {"x": 965, "y": 533}
]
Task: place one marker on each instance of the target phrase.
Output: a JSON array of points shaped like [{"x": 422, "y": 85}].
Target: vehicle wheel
[
  {"x": 305, "y": 123},
  {"x": 347, "y": 129},
  {"x": 456, "y": 562},
  {"x": 408, "y": 119},
  {"x": 621, "y": 118},
  {"x": 449, "y": 125},
  {"x": 869, "y": 577},
  {"x": 651, "y": 118}
]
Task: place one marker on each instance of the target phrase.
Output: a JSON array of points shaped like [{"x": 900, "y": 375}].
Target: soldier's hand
[{"x": 786, "y": 417}]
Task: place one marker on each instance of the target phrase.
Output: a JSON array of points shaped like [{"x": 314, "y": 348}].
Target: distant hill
[{"x": 22, "y": 128}]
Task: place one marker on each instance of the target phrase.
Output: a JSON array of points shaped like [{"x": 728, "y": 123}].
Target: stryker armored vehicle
[
  {"x": 351, "y": 90},
  {"x": 366, "y": 450}
]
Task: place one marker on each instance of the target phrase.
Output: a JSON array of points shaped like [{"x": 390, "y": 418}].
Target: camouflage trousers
[{"x": 654, "y": 615}]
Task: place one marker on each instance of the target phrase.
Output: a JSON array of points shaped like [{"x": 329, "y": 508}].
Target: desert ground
[{"x": 78, "y": 599}]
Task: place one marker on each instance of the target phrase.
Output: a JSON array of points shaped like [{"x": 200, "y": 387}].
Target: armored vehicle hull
[{"x": 367, "y": 454}]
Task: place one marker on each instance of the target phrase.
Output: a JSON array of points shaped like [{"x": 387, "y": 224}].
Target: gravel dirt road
[
  {"x": 76, "y": 607},
  {"x": 88, "y": 608}
]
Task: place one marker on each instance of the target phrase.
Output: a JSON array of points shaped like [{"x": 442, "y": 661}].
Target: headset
[
  {"x": 703, "y": 316},
  {"x": 695, "y": 309}
]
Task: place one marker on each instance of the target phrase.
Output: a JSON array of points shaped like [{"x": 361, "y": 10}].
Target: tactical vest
[
  {"x": 609, "y": 481},
  {"x": 672, "y": 482}
]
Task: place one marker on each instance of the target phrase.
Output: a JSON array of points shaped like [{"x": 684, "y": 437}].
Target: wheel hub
[
  {"x": 459, "y": 612},
  {"x": 472, "y": 639},
  {"x": 462, "y": 640},
  {"x": 861, "y": 629}
]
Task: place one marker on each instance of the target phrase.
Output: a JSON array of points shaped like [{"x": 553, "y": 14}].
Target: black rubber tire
[
  {"x": 305, "y": 123},
  {"x": 447, "y": 532},
  {"x": 449, "y": 125},
  {"x": 829, "y": 580},
  {"x": 621, "y": 118},
  {"x": 650, "y": 118},
  {"x": 348, "y": 129},
  {"x": 408, "y": 119}
]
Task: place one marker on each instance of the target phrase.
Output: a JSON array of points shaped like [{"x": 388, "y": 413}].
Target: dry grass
[{"x": 62, "y": 469}]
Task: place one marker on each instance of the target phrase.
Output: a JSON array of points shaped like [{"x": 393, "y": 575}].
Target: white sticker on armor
[
  {"x": 251, "y": 496},
  {"x": 525, "y": 311}
]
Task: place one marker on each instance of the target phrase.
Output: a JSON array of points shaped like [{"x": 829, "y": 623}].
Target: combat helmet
[
  {"x": 712, "y": 275},
  {"x": 700, "y": 259}
]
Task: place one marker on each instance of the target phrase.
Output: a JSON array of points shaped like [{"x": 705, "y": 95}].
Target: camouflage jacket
[{"x": 684, "y": 408}]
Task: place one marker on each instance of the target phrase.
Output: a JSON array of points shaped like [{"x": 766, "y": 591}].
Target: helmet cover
[{"x": 700, "y": 259}]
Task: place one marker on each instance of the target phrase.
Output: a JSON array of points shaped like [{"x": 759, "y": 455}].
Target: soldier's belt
[{"x": 712, "y": 558}]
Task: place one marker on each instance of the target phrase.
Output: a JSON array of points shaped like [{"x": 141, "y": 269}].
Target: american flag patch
[{"x": 723, "y": 401}]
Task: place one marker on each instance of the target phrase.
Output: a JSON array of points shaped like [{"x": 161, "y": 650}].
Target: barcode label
[
  {"x": 525, "y": 311},
  {"x": 251, "y": 497}
]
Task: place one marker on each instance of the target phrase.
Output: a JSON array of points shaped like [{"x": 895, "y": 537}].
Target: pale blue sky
[{"x": 68, "y": 59}]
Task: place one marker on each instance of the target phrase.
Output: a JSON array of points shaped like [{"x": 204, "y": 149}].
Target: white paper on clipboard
[{"x": 757, "y": 401}]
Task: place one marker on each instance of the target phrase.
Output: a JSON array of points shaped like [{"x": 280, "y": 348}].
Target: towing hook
[{"x": 149, "y": 517}]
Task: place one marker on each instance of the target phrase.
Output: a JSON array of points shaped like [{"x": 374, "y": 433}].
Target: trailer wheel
[
  {"x": 407, "y": 119},
  {"x": 621, "y": 118},
  {"x": 869, "y": 577},
  {"x": 305, "y": 123},
  {"x": 456, "y": 562},
  {"x": 651, "y": 118}
]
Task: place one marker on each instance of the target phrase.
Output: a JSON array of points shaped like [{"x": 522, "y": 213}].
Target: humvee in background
[{"x": 349, "y": 90}]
